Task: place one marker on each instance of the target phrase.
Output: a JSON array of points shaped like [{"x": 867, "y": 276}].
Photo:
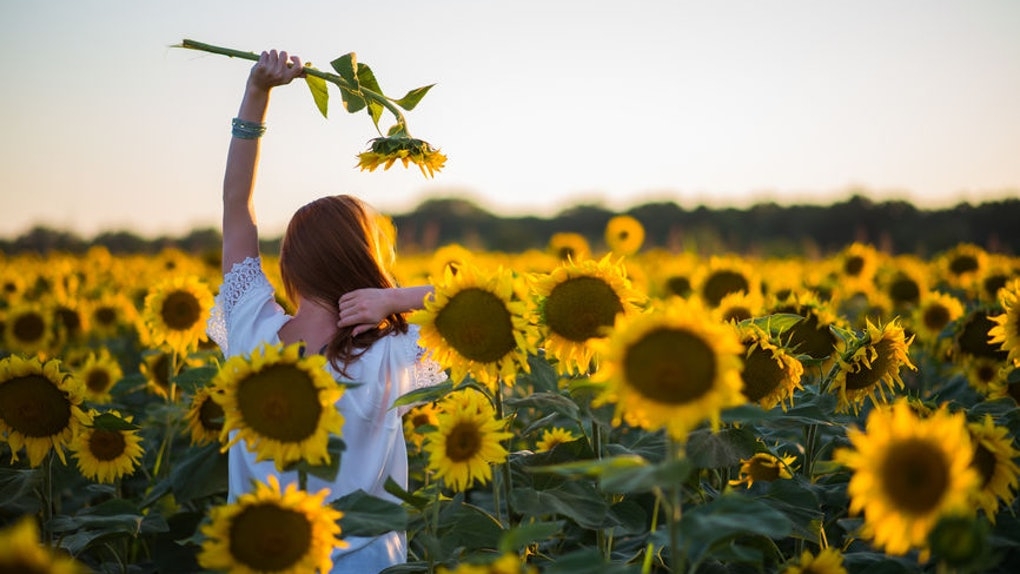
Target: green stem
[
  {"x": 675, "y": 511},
  {"x": 302, "y": 477},
  {"x": 505, "y": 484},
  {"x": 339, "y": 81},
  {"x": 646, "y": 565},
  {"x": 47, "y": 494}
]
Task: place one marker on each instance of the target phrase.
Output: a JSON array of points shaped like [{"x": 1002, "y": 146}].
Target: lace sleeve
[{"x": 241, "y": 277}]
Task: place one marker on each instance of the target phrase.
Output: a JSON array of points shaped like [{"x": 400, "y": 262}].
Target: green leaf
[
  {"x": 411, "y": 98},
  {"x": 415, "y": 500},
  {"x": 707, "y": 449},
  {"x": 428, "y": 394},
  {"x": 367, "y": 515},
  {"x": 467, "y": 526},
  {"x": 578, "y": 501},
  {"x": 517, "y": 538},
  {"x": 201, "y": 472},
  {"x": 329, "y": 470},
  {"x": 775, "y": 324},
  {"x": 636, "y": 479},
  {"x": 367, "y": 80},
  {"x": 111, "y": 422},
  {"x": 799, "y": 503},
  {"x": 585, "y": 560},
  {"x": 346, "y": 67},
  {"x": 592, "y": 468},
  {"x": 728, "y": 517},
  {"x": 320, "y": 94},
  {"x": 16, "y": 490},
  {"x": 545, "y": 402},
  {"x": 192, "y": 379}
]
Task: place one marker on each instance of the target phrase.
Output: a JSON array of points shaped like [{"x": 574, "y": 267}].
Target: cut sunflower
[
  {"x": 176, "y": 312},
  {"x": 871, "y": 367},
  {"x": 385, "y": 151},
  {"x": 476, "y": 324},
  {"x": 40, "y": 407},
  {"x": 1006, "y": 330},
  {"x": 467, "y": 440},
  {"x": 671, "y": 367},
  {"x": 907, "y": 472},
  {"x": 22, "y": 551},
  {"x": 106, "y": 454},
  {"x": 282, "y": 405},
  {"x": 994, "y": 459},
  {"x": 287, "y": 531},
  {"x": 578, "y": 302}
]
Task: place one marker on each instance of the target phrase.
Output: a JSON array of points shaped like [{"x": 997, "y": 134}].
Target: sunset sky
[{"x": 538, "y": 105}]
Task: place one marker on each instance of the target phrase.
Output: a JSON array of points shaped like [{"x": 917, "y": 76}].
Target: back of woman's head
[{"x": 334, "y": 245}]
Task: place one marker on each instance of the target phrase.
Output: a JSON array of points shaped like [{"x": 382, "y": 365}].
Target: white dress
[{"x": 245, "y": 316}]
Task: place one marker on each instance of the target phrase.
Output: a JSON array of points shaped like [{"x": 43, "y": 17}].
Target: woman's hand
[
  {"x": 274, "y": 69},
  {"x": 364, "y": 309}
]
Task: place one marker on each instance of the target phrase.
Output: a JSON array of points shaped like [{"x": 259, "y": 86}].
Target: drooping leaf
[
  {"x": 411, "y": 98},
  {"x": 637, "y": 479},
  {"x": 367, "y": 80},
  {"x": 707, "y": 449},
  {"x": 317, "y": 86},
  {"x": 350, "y": 94},
  {"x": 729, "y": 516},
  {"x": 425, "y": 394},
  {"x": 578, "y": 501},
  {"x": 547, "y": 402}
]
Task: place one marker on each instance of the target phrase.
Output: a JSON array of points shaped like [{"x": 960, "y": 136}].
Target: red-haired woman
[{"x": 332, "y": 253}]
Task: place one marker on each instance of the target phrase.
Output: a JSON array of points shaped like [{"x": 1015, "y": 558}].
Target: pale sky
[{"x": 539, "y": 105}]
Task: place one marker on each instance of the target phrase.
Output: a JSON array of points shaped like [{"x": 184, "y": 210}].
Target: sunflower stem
[
  {"x": 810, "y": 438},
  {"x": 339, "y": 81},
  {"x": 646, "y": 564},
  {"x": 504, "y": 467},
  {"x": 47, "y": 495},
  {"x": 677, "y": 565},
  {"x": 302, "y": 477}
]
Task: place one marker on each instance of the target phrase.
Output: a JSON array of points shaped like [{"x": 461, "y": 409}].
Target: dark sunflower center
[
  {"x": 106, "y": 445},
  {"x": 622, "y": 236},
  {"x": 477, "y": 324},
  {"x": 268, "y": 538},
  {"x": 579, "y": 308},
  {"x": 984, "y": 462},
  {"x": 105, "y": 316},
  {"x": 463, "y": 442},
  {"x": 70, "y": 319},
  {"x": 211, "y": 415},
  {"x": 853, "y": 266},
  {"x": 181, "y": 310},
  {"x": 721, "y": 284},
  {"x": 974, "y": 338},
  {"x": 914, "y": 475},
  {"x": 736, "y": 313},
  {"x": 904, "y": 290},
  {"x": 29, "y": 327},
  {"x": 567, "y": 253},
  {"x": 987, "y": 373},
  {"x": 993, "y": 283},
  {"x": 161, "y": 371},
  {"x": 22, "y": 565},
  {"x": 33, "y": 406},
  {"x": 812, "y": 339},
  {"x": 678, "y": 285},
  {"x": 764, "y": 470},
  {"x": 419, "y": 420},
  {"x": 963, "y": 264},
  {"x": 98, "y": 380},
  {"x": 671, "y": 366},
  {"x": 280, "y": 402},
  {"x": 935, "y": 317},
  {"x": 881, "y": 367},
  {"x": 763, "y": 374}
]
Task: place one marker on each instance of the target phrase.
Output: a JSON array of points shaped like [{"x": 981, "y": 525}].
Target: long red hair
[{"x": 334, "y": 245}]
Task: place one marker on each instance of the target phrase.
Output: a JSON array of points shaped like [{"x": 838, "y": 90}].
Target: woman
[{"x": 332, "y": 253}]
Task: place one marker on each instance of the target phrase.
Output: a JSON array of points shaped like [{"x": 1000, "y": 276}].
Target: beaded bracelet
[{"x": 247, "y": 130}]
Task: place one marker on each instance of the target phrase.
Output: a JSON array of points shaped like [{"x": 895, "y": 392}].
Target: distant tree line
[{"x": 765, "y": 229}]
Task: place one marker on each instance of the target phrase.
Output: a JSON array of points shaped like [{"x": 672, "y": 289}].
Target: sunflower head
[
  {"x": 908, "y": 472},
  {"x": 40, "y": 407},
  {"x": 467, "y": 440},
  {"x": 29, "y": 328},
  {"x": 205, "y": 417},
  {"x": 281, "y": 404},
  {"x": 1005, "y": 332},
  {"x": 385, "y": 151},
  {"x": 670, "y": 367},
  {"x": 578, "y": 302},
  {"x": 972, "y": 336},
  {"x": 567, "y": 246},
  {"x": 827, "y": 561},
  {"x": 813, "y": 336},
  {"x": 764, "y": 467},
  {"x": 725, "y": 275},
  {"x": 109, "y": 448},
  {"x": 959, "y": 266},
  {"x": 99, "y": 372},
  {"x": 870, "y": 367},
  {"x": 934, "y": 313},
  {"x": 770, "y": 375},
  {"x": 554, "y": 436},
  {"x": 476, "y": 324},
  {"x": 419, "y": 420},
  {"x": 995, "y": 460},
  {"x": 272, "y": 530},
  {"x": 23, "y": 552},
  {"x": 176, "y": 313},
  {"x": 624, "y": 235}
]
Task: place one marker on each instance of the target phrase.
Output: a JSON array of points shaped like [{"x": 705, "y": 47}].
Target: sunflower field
[{"x": 605, "y": 408}]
